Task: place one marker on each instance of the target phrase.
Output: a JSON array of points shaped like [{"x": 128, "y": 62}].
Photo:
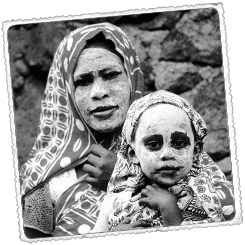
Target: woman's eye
[
  {"x": 86, "y": 81},
  {"x": 153, "y": 145},
  {"x": 111, "y": 75}
]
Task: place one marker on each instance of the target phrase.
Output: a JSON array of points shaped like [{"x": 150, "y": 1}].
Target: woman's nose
[
  {"x": 167, "y": 154},
  {"x": 100, "y": 89}
]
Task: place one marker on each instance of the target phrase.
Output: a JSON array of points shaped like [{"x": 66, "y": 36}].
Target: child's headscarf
[
  {"x": 63, "y": 136},
  {"x": 199, "y": 203}
]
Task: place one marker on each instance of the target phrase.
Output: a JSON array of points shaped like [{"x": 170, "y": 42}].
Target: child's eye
[
  {"x": 178, "y": 144},
  {"x": 153, "y": 145}
]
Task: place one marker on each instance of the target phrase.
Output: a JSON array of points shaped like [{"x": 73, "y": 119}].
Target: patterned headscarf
[
  {"x": 64, "y": 137},
  {"x": 201, "y": 204}
]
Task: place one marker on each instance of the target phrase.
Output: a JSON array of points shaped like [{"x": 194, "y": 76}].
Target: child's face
[{"x": 164, "y": 144}]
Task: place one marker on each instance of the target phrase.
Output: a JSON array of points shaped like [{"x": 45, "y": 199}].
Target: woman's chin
[
  {"x": 108, "y": 125},
  {"x": 105, "y": 127}
]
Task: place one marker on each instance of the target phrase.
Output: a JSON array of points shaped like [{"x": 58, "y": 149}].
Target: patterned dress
[{"x": 204, "y": 195}]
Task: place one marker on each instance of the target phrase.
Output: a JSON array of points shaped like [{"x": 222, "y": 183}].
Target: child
[{"x": 158, "y": 179}]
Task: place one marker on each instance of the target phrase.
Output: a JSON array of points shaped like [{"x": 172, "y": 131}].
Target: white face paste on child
[
  {"x": 164, "y": 144},
  {"x": 102, "y": 90}
]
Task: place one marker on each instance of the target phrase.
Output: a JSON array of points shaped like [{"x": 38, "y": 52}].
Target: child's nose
[{"x": 167, "y": 154}]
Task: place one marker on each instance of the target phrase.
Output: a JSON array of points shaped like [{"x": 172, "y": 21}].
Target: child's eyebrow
[
  {"x": 180, "y": 135},
  {"x": 152, "y": 137},
  {"x": 183, "y": 125}
]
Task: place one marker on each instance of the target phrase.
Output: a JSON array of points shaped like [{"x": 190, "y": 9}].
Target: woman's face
[
  {"x": 164, "y": 144},
  {"x": 102, "y": 90}
]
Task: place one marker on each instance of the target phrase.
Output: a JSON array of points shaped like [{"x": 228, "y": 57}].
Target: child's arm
[{"x": 163, "y": 201}]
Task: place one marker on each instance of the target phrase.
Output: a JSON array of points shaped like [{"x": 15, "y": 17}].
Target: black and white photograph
[{"x": 121, "y": 122}]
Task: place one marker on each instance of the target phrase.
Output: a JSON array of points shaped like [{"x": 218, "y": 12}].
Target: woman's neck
[{"x": 100, "y": 137}]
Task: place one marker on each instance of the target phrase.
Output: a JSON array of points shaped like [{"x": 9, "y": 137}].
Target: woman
[{"x": 94, "y": 77}]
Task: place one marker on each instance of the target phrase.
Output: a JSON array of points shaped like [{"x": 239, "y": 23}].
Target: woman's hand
[
  {"x": 125, "y": 225},
  {"x": 164, "y": 201},
  {"x": 99, "y": 166}
]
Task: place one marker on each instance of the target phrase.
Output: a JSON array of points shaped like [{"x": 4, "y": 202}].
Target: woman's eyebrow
[
  {"x": 83, "y": 76},
  {"x": 109, "y": 69}
]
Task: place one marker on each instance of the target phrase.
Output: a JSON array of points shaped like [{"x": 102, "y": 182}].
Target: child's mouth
[{"x": 169, "y": 169}]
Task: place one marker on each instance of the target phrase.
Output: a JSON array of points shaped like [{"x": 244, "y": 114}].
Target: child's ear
[{"x": 132, "y": 156}]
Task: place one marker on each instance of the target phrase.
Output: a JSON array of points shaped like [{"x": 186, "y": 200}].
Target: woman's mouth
[{"x": 104, "y": 111}]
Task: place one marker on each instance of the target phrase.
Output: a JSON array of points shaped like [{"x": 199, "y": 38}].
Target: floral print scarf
[{"x": 197, "y": 198}]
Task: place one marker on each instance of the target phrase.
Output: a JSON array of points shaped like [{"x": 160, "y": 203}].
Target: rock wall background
[{"x": 180, "y": 51}]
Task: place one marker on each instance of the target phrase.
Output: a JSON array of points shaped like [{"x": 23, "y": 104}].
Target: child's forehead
[{"x": 165, "y": 113}]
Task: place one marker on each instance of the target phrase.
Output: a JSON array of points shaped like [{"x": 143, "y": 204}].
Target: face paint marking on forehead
[
  {"x": 168, "y": 113},
  {"x": 95, "y": 59},
  {"x": 183, "y": 125}
]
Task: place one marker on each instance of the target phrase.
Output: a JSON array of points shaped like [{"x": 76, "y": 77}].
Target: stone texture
[
  {"x": 27, "y": 117},
  {"x": 209, "y": 99},
  {"x": 166, "y": 20},
  {"x": 148, "y": 46},
  {"x": 225, "y": 165},
  {"x": 176, "y": 77},
  {"x": 180, "y": 51},
  {"x": 195, "y": 38}
]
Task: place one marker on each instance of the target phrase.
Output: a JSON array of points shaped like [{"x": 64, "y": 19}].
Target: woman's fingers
[
  {"x": 97, "y": 150},
  {"x": 92, "y": 181},
  {"x": 144, "y": 193},
  {"x": 94, "y": 160},
  {"x": 150, "y": 188},
  {"x": 91, "y": 170}
]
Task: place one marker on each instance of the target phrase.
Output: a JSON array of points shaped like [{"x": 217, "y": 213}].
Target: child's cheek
[
  {"x": 184, "y": 159},
  {"x": 148, "y": 162}
]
